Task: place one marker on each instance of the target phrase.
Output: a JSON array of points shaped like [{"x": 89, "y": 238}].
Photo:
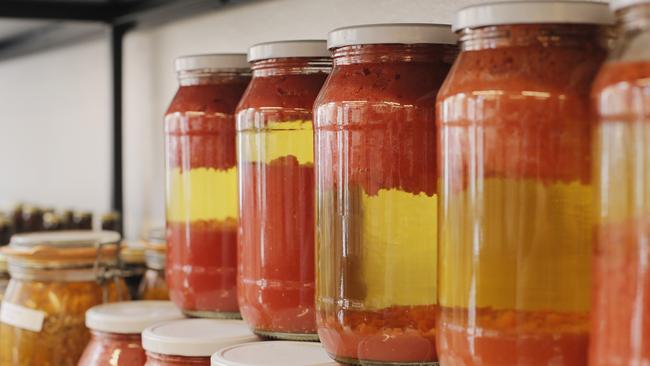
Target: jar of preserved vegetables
[
  {"x": 191, "y": 342},
  {"x": 620, "y": 333},
  {"x": 516, "y": 193},
  {"x": 55, "y": 278},
  {"x": 153, "y": 285},
  {"x": 202, "y": 184},
  {"x": 276, "y": 176},
  {"x": 116, "y": 330},
  {"x": 376, "y": 193},
  {"x": 273, "y": 353}
]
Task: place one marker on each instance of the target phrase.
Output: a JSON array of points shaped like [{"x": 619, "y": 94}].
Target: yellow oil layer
[
  {"x": 201, "y": 194},
  {"x": 517, "y": 244},
  {"x": 376, "y": 251},
  {"x": 278, "y": 139}
]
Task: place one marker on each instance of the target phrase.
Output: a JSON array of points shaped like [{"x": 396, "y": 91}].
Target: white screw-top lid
[
  {"x": 533, "y": 12},
  {"x": 195, "y": 337},
  {"x": 621, "y": 4},
  {"x": 64, "y": 239},
  {"x": 212, "y": 61},
  {"x": 283, "y": 49},
  {"x": 130, "y": 317},
  {"x": 391, "y": 34},
  {"x": 274, "y": 353}
]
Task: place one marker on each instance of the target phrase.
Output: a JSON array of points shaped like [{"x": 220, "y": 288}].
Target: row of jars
[{"x": 447, "y": 196}]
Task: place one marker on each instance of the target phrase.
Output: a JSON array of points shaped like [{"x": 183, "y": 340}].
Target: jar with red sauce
[
  {"x": 191, "y": 342},
  {"x": 116, "y": 331},
  {"x": 276, "y": 176},
  {"x": 202, "y": 184},
  {"x": 376, "y": 195},
  {"x": 516, "y": 189},
  {"x": 276, "y": 353},
  {"x": 620, "y": 332}
]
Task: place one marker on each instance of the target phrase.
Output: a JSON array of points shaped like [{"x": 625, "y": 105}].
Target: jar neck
[
  {"x": 291, "y": 66},
  {"x": 531, "y": 35},
  {"x": 211, "y": 77},
  {"x": 393, "y": 53},
  {"x": 634, "y": 19},
  {"x": 112, "y": 337}
]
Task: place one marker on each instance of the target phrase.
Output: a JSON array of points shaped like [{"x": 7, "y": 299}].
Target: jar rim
[
  {"x": 275, "y": 352},
  {"x": 394, "y": 33},
  {"x": 288, "y": 49},
  {"x": 130, "y": 317}
]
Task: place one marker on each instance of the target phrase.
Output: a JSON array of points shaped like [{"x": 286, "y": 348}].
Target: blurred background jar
[
  {"x": 55, "y": 278},
  {"x": 516, "y": 204},
  {"x": 376, "y": 195},
  {"x": 153, "y": 285},
  {"x": 620, "y": 333},
  {"x": 202, "y": 184},
  {"x": 276, "y": 199}
]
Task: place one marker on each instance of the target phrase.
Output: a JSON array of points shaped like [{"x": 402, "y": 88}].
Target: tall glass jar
[
  {"x": 116, "y": 331},
  {"x": 191, "y": 342},
  {"x": 516, "y": 193},
  {"x": 276, "y": 176},
  {"x": 202, "y": 184},
  {"x": 621, "y": 95},
  {"x": 55, "y": 278},
  {"x": 376, "y": 193}
]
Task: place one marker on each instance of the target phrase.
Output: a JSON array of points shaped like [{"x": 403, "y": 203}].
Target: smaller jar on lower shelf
[
  {"x": 273, "y": 353},
  {"x": 116, "y": 330},
  {"x": 191, "y": 342}
]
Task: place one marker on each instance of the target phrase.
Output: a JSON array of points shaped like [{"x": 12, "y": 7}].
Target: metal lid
[
  {"x": 216, "y": 61},
  {"x": 130, "y": 317},
  {"x": 275, "y": 353},
  {"x": 621, "y": 4},
  {"x": 285, "y": 49},
  {"x": 406, "y": 33},
  {"x": 195, "y": 337},
  {"x": 532, "y": 12}
]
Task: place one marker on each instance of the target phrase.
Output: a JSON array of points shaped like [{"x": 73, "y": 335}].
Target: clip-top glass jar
[
  {"x": 202, "y": 184},
  {"x": 191, "y": 342},
  {"x": 55, "y": 278},
  {"x": 116, "y": 330},
  {"x": 516, "y": 192},
  {"x": 273, "y": 353},
  {"x": 620, "y": 333},
  {"x": 153, "y": 285},
  {"x": 376, "y": 192},
  {"x": 276, "y": 198}
]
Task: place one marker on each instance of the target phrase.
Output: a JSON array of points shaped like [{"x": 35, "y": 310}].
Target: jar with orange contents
[
  {"x": 515, "y": 214},
  {"x": 202, "y": 184},
  {"x": 621, "y": 95}
]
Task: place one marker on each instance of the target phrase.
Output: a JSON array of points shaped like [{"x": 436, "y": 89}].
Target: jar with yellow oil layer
[
  {"x": 376, "y": 175},
  {"x": 202, "y": 184},
  {"x": 516, "y": 189},
  {"x": 276, "y": 176},
  {"x": 55, "y": 278}
]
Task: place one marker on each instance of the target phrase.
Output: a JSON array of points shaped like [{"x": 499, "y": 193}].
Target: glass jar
[
  {"x": 276, "y": 176},
  {"x": 191, "y": 342},
  {"x": 116, "y": 331},
  {"x": 376, "y": 193},
  {"x": 202, "y": 184},
  {"x": 4, "y": 276},
  {"x": 620, "y": 333},
  {"x": 272, "y": 353},
  {"x": 153, "y": 285},
  {"x": 132, "y": 254},
  {"x": 516, "y": 193},
  {"x": 55, "y": 278}
]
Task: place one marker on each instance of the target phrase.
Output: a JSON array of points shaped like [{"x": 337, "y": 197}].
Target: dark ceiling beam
[{"x": 58, "y": 10}]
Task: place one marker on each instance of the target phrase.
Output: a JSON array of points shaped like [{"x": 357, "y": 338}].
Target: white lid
[
  {"x": 621, "y": 4},
  {"x": 282, "y": 49},
  {"x": 64, "y": 239},
  {"x": 533, "y": 12},
  {"x": 274, "y": 353},
  {"x": 195, "y": 337},
  {"x": 212, "y": 61},
  {"x": 406, "y": 33},
  {"x": 130, "y": 317}
]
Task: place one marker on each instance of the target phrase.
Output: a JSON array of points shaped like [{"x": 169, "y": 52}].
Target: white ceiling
[{"x": 12, "y": 27}]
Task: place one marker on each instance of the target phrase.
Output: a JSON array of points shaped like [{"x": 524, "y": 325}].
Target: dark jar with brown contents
[
  {"x": 276, "y": 176},
  {"x": 376, "y": 193},
  {"x": 202, "y": 184},
  {"x": 515, "y": 215}
]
